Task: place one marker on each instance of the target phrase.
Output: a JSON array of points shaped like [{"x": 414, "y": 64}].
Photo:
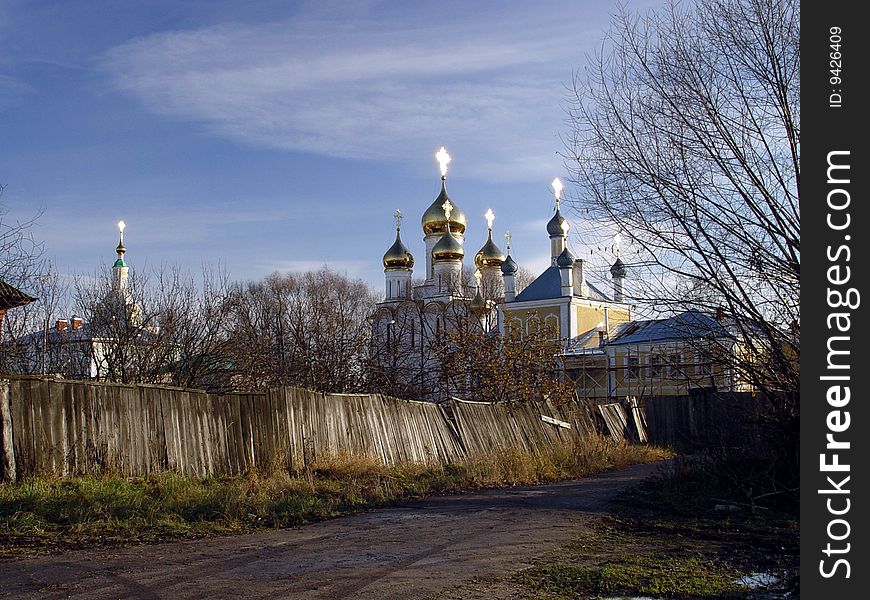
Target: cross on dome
[
  {"x": 507, "y": 240},
  {"x": 557, "y": 190},
  {"x": 398, "y": 216},
  {"x": 448, "y": 208},
  {"x": 443, "y": 160},
  {"x": 490, "y": 217}
]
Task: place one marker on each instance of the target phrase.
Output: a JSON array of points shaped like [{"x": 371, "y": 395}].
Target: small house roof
[{"x": 10, "y": 296}]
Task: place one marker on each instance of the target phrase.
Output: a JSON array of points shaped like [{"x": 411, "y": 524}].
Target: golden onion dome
[
  {"x": 398, "y": 256},
  {"x": 489, "y": 255},
  {"x": 434, "y": 220},
  {"x": 448, "y": 248}
]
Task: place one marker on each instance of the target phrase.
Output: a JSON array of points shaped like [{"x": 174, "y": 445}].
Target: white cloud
[{"x": 368, "y": 90}]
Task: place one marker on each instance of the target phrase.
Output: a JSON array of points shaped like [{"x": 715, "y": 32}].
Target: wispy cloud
[{"x": 360, "y": 89}]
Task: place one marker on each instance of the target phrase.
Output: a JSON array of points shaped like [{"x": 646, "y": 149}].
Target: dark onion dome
[
  {"x": 554, "y": 227},
  {"x": 398, "y": 256},
  {"x": 509, "y": 266},
  {"x": 489, "y": 255},
  {"x": 434, "y": 220},
  {"x": 619, "y": 269},
  {"x": 448, "y": 248},
  {"x": 566, "y": 259}
]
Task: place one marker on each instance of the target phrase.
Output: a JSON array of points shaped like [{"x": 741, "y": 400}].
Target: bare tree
[
  {"x": 400, "y": 350},
  {"x": 190, "y": 348},
  {"x": 120, "y": 335},
  {"x": 686, "y": 136},
  {"x": 23, "y": 265},
  {"x": 20, "y": 253},
  {"x": 523, "y": 278},
  {"x": 486, "y": 367},
  {"x": 310, "y": 330},
  {"x": 26, "y": 330}
]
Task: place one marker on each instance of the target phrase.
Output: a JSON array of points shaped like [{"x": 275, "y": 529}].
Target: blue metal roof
[
  {"x": 548, "y": 285},
  {"x": 687, "y": 325}
]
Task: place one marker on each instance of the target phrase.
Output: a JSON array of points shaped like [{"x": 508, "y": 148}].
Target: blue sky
[{"x": 283, "y": 135}]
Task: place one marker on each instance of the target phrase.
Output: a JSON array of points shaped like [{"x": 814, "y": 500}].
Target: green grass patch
[
  {"x": 44, "y": 514},
  {"x": 646, "y": 575}
]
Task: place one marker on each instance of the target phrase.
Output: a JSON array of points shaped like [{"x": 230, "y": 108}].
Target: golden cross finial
[
  {"x": 398, "y": 216},
  {"x": 557, "y": 190},
  {"x": 443, "y": 160},
  {"x": 507, "y": 241},
  {"x": 478, "y": 276},
  {"x": 490, "y": 217},
  {"x": 565, "y": 226},
  {"x": 617, "y": 241},
  {"x": 448, "y": 208}
]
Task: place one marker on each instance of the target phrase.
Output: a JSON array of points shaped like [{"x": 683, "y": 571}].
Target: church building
[
  {"x": 88, "y": 347},
  {"x": 412, "y": 321}
]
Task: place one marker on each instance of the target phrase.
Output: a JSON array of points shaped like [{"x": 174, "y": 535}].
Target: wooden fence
[
  {"x": 704, "y": 420},
  {"x": 484, "y": 427},
  {"x": 72, "y": 427}
]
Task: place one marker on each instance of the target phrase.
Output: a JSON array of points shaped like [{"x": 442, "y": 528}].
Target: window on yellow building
[
  {"x": 675, "y": 365},
  {"x": 552, "y": 327},
  {"x": 515, "y": 328},
  {"x": 704, "y": 368},
  {"x": 655, "y": 366},
  {"x": 632, "y": 367}
]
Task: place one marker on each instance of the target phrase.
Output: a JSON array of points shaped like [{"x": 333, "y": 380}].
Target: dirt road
[{"x": 431, "y": 548}]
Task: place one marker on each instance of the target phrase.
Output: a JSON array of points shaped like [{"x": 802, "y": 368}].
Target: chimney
[
  {"x": 76, "y": 322},
  {"x": 580, "y": 287},
  {"x": 602, "y": 337},
  {"x": 61, "y": 324}
]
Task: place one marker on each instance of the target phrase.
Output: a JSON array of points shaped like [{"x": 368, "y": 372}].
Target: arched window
[
  {"x": 533, "y": 325},
  {"x": 515, "y": 328},
  {"x": 552, "y": 325}
]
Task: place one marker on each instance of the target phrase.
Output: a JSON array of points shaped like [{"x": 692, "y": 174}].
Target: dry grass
[{"x": 44, "y": 514}]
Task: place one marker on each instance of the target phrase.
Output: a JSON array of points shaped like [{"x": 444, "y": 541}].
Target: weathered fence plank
[{"x": 7, "y": 447}]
